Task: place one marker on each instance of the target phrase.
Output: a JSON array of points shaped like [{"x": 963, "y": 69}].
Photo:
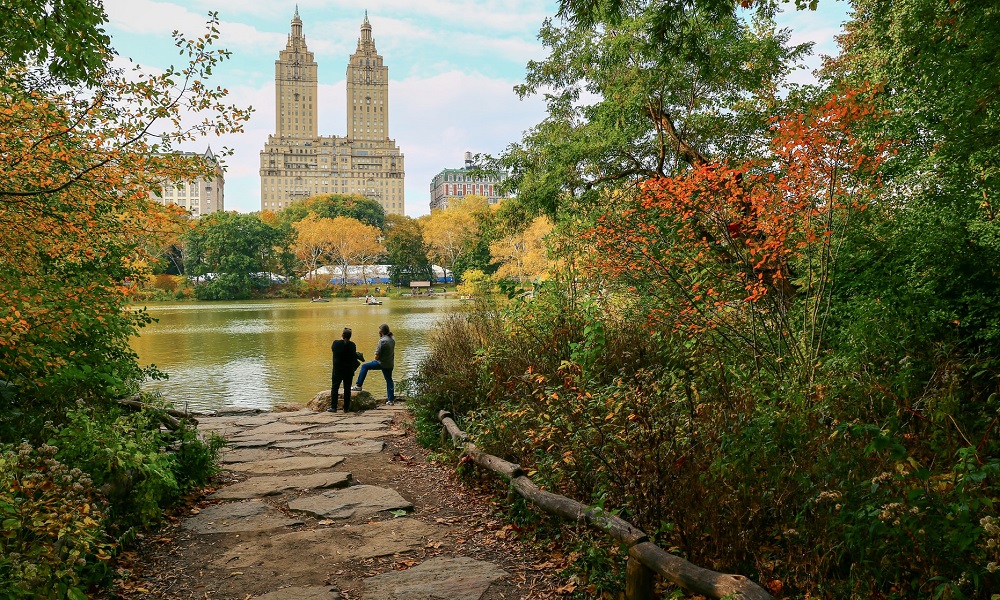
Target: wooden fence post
[{"x": 638, "y": 580}]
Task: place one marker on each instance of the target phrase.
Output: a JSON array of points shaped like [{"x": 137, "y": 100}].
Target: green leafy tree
[
  {"x": 65, "y": 39},
  {"x": 330, "y": 206},
  {"x": 234, "y": 252},
  {"x": 627, "y": 102},
  {"x": 406, "y": 251}
]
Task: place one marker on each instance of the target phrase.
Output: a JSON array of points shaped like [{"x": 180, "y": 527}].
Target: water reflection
[{"x": 258, "y": 353}]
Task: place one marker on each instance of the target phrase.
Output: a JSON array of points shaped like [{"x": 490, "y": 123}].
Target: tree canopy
[
  {"x": 330, "y": 206},
  {"x": 625, "y": 105},
  {"x": 74, "y": 205}
]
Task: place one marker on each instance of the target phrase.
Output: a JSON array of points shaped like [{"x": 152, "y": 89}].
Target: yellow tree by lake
[
  {"x": 450, "y": 232},
  {"x": 351, "y": 243},
  {"x": 522, "y": 255},
  {"x": 313, "y": 241}
]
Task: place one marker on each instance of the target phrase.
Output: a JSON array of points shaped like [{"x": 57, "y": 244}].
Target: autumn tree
[
  {"x": 162, "y": 237},
  {"x": 522, "y": 255},
  {"x": 313, "y": 240},
  {"x": 450, "y": 232},
  {"x": 78, "y": 166},
  {"x": 351, "y": 243}
]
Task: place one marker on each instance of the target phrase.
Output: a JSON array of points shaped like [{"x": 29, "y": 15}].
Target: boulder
[{"x": 359, "y": 401}]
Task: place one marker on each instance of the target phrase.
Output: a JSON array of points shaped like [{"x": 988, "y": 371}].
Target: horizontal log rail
[{"x": 644, "y": 558}]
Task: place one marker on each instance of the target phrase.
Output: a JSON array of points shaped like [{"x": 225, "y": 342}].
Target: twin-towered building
[{"x": 297, "y": 162}]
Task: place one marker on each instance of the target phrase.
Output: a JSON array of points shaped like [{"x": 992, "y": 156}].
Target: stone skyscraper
[{"x": 297, "y": 162}]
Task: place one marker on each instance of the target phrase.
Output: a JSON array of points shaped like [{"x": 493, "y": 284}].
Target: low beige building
[
  {"x": 297, "y": 162},
  {"x": 199, "y": 196}
]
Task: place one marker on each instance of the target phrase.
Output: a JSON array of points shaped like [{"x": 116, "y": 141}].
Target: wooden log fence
[{"x": 645, "y": 559}]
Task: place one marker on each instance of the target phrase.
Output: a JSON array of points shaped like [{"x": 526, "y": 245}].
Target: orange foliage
[
  {"x": 75, "y": 212},
  {"x": 717, "y": 238}
]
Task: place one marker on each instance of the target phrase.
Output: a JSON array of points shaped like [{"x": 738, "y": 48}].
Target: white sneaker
[
  {"x": 389, "y": 402},
  {"x": 356, "y": 388}
]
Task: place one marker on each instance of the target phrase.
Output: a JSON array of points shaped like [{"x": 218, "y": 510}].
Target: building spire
[
  {"x": 366, "y": 33},
  {"x": 296, "y": 27}
]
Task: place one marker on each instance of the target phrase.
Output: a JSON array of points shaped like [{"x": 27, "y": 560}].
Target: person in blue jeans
[{"x": 384, "y": 354}]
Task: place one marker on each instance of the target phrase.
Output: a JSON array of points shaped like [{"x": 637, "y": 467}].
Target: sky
[{"x": 453, "y": 65}]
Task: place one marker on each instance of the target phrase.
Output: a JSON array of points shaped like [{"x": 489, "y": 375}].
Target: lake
[{"x": 258, "y": 353}]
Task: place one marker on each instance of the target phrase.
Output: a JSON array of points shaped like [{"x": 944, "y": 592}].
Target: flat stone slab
[
  {"x": 341, "y": 428},
  {"x": 345, "y": 447},
  {"x": 366, "y": 419},
  {"x": 277, "y": 427},
  {"x": 220, "y": 428},
  {"x": 275, "y": 438},
  {"x": 256, "y": 421},
  {"x": 350, "y": 435},
  {"x": 458, "y": 578},
  {"x": 298, "y": 411},
  {"x": 302, "y": 593},
  {"x": 258, "y": 487},
  {"x": 285, "y": 465},
  {"x": 348, "y": 543},
  {"x": 356, "y": 501},
  {"x": 249, "y": 454},
  {"x": 319, "y": 418},
  {"x": 239, "y": 517},
  {"x": 250, "y": 443},
  {"x": 292, "y": 445}
]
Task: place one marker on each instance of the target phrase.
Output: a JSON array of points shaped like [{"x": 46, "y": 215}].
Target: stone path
[{"x": 295, "y": 518}]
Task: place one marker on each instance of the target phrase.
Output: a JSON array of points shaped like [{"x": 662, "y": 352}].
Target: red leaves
[{"x": 747, "y": 233}]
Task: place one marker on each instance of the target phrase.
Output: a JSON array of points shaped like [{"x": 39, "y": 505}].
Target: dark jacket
[{"x": 345, "y": 357}]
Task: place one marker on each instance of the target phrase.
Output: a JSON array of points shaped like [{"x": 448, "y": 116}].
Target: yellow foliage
[{"x": 523, "y": 255}]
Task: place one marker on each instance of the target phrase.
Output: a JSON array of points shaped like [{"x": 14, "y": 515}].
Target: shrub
[
  {"x": 53, "y": 544},
  {"x": 139, "y": 468},
  {"x": 813, "y": 487}
]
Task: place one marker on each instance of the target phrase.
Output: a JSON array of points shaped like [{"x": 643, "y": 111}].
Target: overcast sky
[{"x": 452, "y": 68}]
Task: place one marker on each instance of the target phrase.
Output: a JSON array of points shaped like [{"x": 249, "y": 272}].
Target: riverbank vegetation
[
  {"x": 767, "y": 335},
  {"x": 82, "y": 145}
]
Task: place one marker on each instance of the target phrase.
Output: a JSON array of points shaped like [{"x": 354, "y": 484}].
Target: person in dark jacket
[{"x": 345, "y": 362}]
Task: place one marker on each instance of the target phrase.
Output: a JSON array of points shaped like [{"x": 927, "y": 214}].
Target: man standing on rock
[
  {"x": 384, "y": 354},
  {"x": 345, "y": 361}
]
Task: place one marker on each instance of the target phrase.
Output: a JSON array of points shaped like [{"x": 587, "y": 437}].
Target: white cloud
[
  {"x": 436, "y": 120},
  {"x": 159, "y": 19}
]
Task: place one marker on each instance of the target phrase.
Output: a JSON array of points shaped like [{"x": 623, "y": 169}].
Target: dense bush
[
  {"x": 139, "y": 467},
  {"x": 53, "y": 544},
  {"x": 66, "y": 506},
  {"x": 808, "y": 488}
]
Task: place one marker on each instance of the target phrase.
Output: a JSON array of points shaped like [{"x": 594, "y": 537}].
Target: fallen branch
[{"x": 170, "y": 417}]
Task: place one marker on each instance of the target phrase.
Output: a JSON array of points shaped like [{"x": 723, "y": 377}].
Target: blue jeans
[{"x": 375, "y": 365}]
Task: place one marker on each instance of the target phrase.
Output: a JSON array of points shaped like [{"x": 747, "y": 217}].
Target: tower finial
[
  {"x": 366, "y": 17},
  {"x": 296, "y": 10}
]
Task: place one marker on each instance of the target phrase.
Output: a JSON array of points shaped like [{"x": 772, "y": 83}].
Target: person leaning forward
[
  {"x": 345, "y": 361},
  {"x": 384, "y": 361}
]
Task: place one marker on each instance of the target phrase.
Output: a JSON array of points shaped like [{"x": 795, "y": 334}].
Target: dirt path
[{"x": 326, "y": 505}]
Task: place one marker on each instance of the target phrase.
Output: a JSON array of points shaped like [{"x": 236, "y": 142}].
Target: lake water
[{"x": 256, "y": 354}]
